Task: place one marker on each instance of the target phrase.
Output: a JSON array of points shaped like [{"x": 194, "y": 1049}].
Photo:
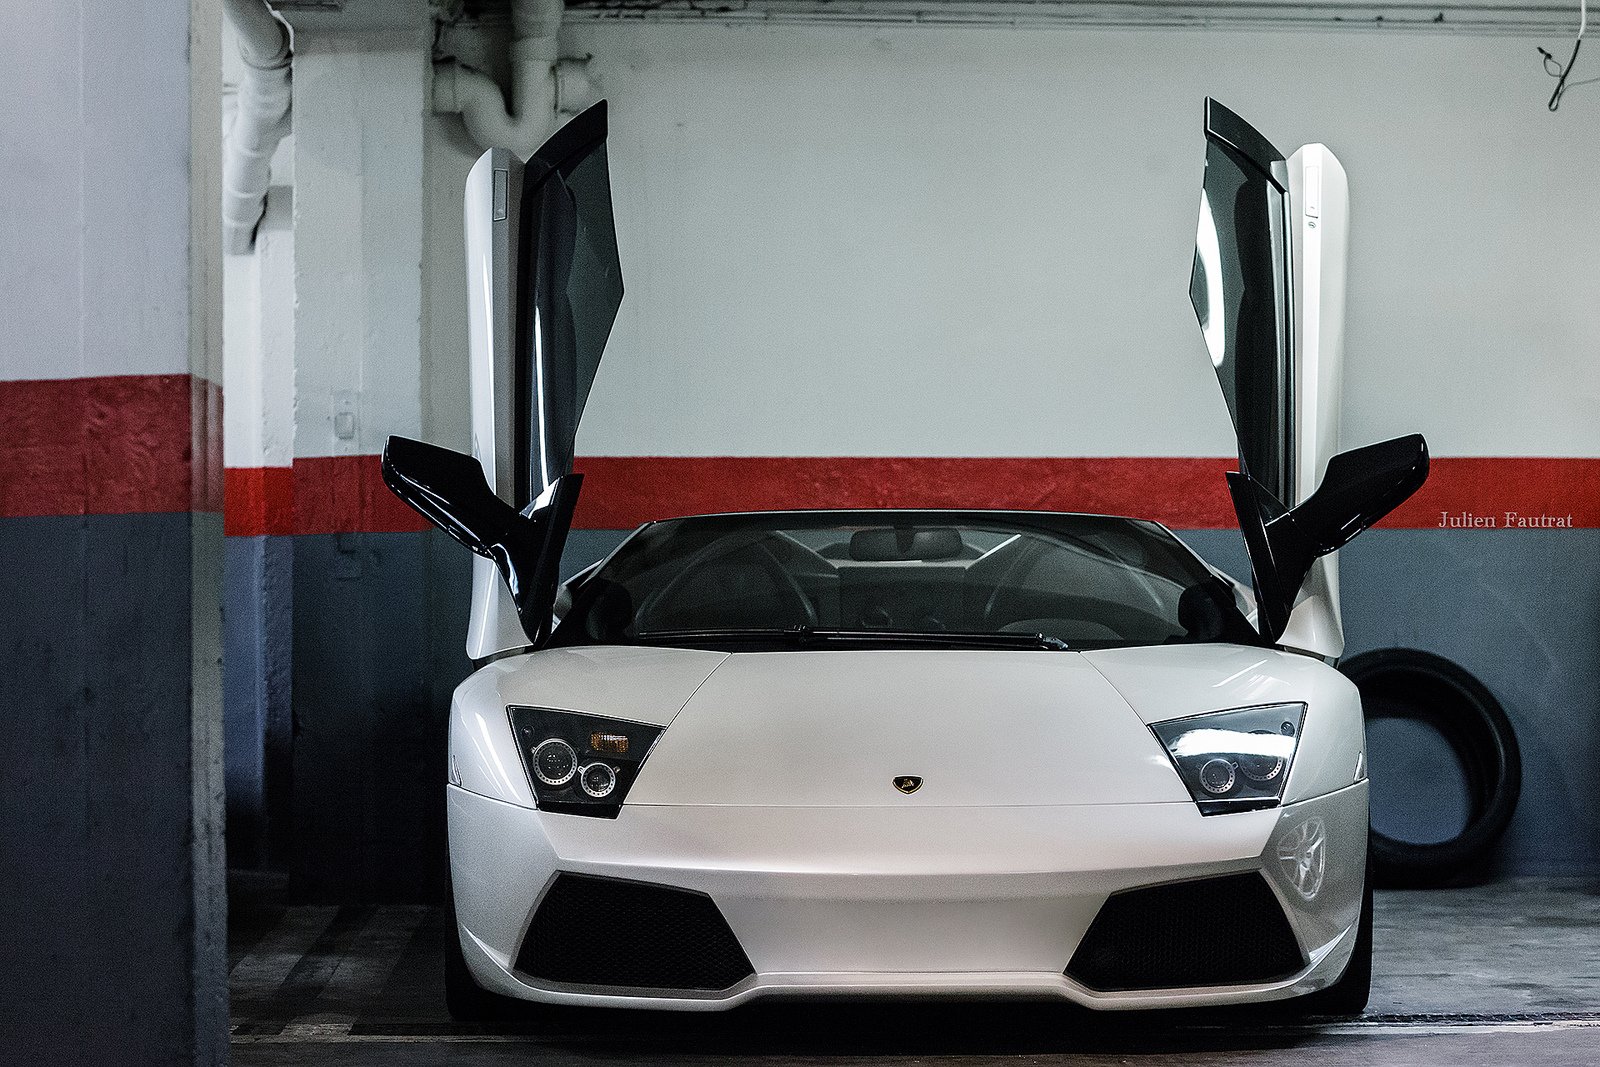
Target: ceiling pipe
[
  {"x": 260, "y": 118},
  {"x": 537, "y": 84}
]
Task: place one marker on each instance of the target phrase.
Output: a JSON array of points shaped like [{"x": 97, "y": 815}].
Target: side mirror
[
  {"x": 1360, "y": 487},
  {"x": 449, "y": 490}
]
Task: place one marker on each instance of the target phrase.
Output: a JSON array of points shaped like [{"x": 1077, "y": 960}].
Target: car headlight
[
  {"x": 580, "y": 764},
  {"x": 1234, "y": 760}
]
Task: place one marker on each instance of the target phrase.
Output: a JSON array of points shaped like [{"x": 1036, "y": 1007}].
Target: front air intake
[
  {"x": 1215, "y": 931},
  {"x": 611, "y": 932}
]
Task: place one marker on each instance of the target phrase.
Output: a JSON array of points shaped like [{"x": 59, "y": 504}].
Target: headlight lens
[
  {"x": 1234, "y": 760},
  {"x": 598, "y": 780},
  {"x": 580, "y": 764},
  {"x": 554, "y": 762}
]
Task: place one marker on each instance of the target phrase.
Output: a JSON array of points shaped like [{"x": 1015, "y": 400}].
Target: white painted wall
[
  {"x": 97, "y": 213},
  {"x": 976, "y": 241},
  {"x": 359, "y": 107},
  {"x": 258, "y": 333},
  {"x": 258, "y": 327}
]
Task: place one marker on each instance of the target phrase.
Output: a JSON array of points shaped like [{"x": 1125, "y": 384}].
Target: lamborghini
[{"x": 912, "y": 753}]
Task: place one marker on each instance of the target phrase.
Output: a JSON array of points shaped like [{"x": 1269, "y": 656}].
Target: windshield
[{"x": 903, "y": 579}]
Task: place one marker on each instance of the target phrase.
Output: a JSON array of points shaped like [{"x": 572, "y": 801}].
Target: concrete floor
[{"x": 1501, "y": 974}]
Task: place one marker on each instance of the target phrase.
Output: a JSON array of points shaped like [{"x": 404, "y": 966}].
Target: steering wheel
[{"x": 788, "y": 586}]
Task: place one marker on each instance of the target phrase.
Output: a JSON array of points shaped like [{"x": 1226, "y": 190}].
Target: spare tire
[{"x": 1405, "y": 683}]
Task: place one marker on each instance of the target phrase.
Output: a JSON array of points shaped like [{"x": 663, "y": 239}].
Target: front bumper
[{"x": 980, "y": 902}]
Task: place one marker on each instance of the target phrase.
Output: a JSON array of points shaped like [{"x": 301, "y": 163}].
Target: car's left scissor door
[
  {"x": 544, "y": 284},
  {"x": 1268, "y": 288}
]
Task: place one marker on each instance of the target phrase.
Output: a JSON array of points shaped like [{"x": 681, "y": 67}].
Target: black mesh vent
[
  {"x": 612, "y": 932},
  {"x": 1217, "y": 931}
]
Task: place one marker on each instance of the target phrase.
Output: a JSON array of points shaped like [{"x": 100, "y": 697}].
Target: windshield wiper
[{"x": 803, "y": 636}]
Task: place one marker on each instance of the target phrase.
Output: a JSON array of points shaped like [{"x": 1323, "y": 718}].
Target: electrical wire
[{"x": 1560, "y": 72}]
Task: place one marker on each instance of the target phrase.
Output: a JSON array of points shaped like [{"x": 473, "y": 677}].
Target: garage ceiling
[
  {"x": 356, "y": 15},
  {"x": 1462, "y": 15},
  {"x": 1471, "y": 16}
]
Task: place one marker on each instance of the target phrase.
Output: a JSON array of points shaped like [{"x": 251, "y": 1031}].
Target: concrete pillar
[
  {"x": 258, "y": 569},
  {"x": 114, "y": 946},
  {"x": 258, "y": 574},
  {"x": 359, "y": 106},
  {"x": 369, "y": 724}
]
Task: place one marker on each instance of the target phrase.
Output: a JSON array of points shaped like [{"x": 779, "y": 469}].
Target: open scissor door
[
  {"x": 544, "y": 286},
  {"x": 1268, "y": 289}
]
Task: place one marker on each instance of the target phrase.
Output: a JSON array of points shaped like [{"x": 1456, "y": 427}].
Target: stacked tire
[{"x": 1410, "y": 684}]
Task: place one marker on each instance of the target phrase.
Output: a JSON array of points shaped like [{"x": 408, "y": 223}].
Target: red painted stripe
[
  {"x": 1495, "y": 487},
  {"x": 623, "y": 491},
  {"x": 260, "y": 500},
  {"x": 620, "y": 492},
  {"x": 110, "y": 446},
  {"x": 347, "y": 495},
  {"x": 321, "y": 495},
  {"x": 1186, "y": 494},
  {"x": 153, "y": 443}
]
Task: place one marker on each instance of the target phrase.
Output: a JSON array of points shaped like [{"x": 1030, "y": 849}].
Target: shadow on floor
[{"x": 823, "y": 1029}]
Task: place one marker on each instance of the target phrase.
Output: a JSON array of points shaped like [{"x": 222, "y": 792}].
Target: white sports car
[{"x": 907, "y": 753}]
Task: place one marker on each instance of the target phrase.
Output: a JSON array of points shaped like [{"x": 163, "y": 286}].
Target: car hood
[
  {"x": 836, "y": 728},
  {"x": 645, "y": 685},
  {"x": 1164, "y": 682}
]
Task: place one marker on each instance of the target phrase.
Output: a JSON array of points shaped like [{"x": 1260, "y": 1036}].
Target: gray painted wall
[
  {"x": 258, "y": 609},
  {"x": 370, "y": 701},
  {"x": 111, "y": 904},
  {"x": 1521, "y": 610}
]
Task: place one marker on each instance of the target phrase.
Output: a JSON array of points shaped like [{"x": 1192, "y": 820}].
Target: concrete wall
[
  {"x": 111, "y": 809},
  {"x": 259, "y": 379},
  {"x": 852, "y": 251},
  {"x": 883, "y": 241}
]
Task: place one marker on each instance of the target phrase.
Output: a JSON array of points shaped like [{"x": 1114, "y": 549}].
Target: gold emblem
[{"x": 908, "y": 783}]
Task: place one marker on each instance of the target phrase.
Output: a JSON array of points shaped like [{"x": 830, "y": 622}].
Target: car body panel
[
  {"x": 1319, "y": 217},
  {"x": 1241, "y": 289},
  {"x": 770, "y": 790},
  {"x": 1319, "y": 223},
  {"x": 1018, "y": 717},
  {"x": 948, "y": 901},
  {"x": 835, "y": 728}
]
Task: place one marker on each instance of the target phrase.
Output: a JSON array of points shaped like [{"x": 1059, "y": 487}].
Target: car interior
[{"x": 1096, "y": 583}]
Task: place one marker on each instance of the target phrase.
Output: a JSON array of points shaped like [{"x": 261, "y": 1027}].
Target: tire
[
  {"x": 1349, "y": 995},
  {"x": 1407, "y": 683},
  {"x": 464, "y": 998}
]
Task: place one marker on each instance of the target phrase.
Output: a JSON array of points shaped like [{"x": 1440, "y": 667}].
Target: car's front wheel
[
  {"x": 464, "y": 998},
  {"x": 1349, "y": 995}
]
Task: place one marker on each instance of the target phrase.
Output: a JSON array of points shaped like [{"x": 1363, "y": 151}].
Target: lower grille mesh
[
  {"x": 1216, "y": 931},
  {"x": 613, "y": 932}
]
